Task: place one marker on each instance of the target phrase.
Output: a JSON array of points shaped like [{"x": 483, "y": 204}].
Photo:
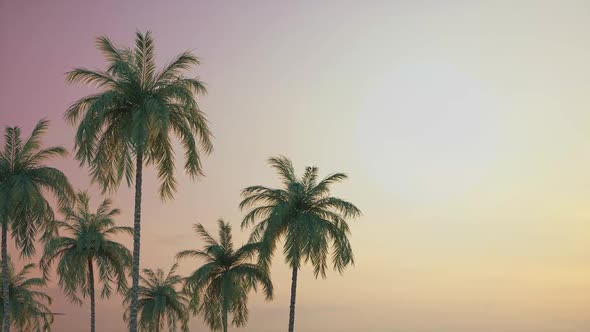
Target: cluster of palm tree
[{"x": 130, "y": 123}]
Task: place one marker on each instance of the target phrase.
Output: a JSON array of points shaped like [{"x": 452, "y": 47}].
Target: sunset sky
[{"x": 464, "y": 127}]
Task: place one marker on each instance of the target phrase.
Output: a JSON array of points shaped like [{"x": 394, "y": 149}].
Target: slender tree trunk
[
  {"x": 224, "y": 316},
  {"x": 5, "y": 278},
  {"x": 136, "y": 241},
  {"x": 92, "y": 298},
  {"x": 293, "y": 294}
]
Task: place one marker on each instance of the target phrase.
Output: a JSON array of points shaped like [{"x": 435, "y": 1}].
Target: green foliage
[
  {"x": 313, "y": 223},
  {"x": 89, "y": 239},
  {"x": 24, "y": 182},
  {"x": 138, "y": 109},
  {"x": 29, "y": 309},
  {"x": 161, "y": 302},
  {"x": 221, "y": 285}
]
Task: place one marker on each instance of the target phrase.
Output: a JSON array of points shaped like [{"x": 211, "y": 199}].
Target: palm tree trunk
[
  {"x": 136, "y": 241},
  {"x": 293, "y": 293},
  {"x": 5, "y": 278},
  {"x": 224, "y": 316},
  {"x": 92, "y": 303}
]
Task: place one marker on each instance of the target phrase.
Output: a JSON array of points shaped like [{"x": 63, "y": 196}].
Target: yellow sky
[{"x": 464, "y": 127}]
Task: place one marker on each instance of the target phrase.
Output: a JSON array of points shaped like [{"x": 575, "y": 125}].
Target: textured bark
[
  {"x": 92, "y": 298},
  {"x": 136, "y": 241},
  {"x": 5, "y": 279},
  {"x": 292, "y": 307}
]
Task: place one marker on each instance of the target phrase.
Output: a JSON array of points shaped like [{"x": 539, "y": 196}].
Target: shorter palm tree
[
  {"x": 160, "y": 301},
  {"x": 29, "y": 309},
  {"x": 89, "y": 244},
  {"x": 25, "y": 182},
  {"x": 220, "y": 287},
  {"x": 313, "y": 224}
]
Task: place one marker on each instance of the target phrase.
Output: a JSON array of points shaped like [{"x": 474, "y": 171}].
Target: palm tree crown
[
  {"x": 221, "y": 285},
  {"x": 29, "y": 309},
  {"x": 89, "y": 238},
  {"x": 161, "y": 302},
  {"x": 136, "y": 112},
  {"x": 88, "y": 244},
  {"x": 24, "y": 180},
  {"x": 305, "y": 214}
]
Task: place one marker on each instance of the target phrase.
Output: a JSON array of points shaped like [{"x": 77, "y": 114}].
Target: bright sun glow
[{"x": 427, "y": 131}]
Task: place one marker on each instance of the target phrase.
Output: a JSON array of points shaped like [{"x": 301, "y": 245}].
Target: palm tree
[
  {"x": 221, "y": 285},
  {"x": 24, "y": 184},
  {"x": 29, "y": 309},
  {"x": 306, "y": 216},
  {"x": 161, "y": 302},
  {"x": 133, "y": 117},
  {"x": 88, "y": 244}
]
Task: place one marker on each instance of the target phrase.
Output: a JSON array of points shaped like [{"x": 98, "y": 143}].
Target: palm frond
[
  {"x": 205, "y": 236},
  {"x": 284, "y": 168},
  {"x": 183, "y": 62},
  {"x": 95, "y": 78},
  {"x": 34, "y": 141}
]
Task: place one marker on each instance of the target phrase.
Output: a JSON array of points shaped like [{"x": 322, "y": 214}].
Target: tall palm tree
[
  {"x": 220, "y": 287},
  {"x": 29, "y": 309},
  {"x": 25, "y": 182},
  {"x": 161, "y": 301},
  {"x": 89, "y": 244},
  {"x": 313, "y": 224},
  {"x": 134, "y": 116}
]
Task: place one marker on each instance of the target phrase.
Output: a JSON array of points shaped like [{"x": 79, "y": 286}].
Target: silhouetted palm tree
[
  {"x": 89, "y": 243},
  {"x": 131, "y": 121},
  {"x": 161, "y": 302},
  {"x": 24, "y": 184},
  {"x": 29, "y": 309},
  {"x": 221, "y": 286},
  {"x": 312, "y": 223}
]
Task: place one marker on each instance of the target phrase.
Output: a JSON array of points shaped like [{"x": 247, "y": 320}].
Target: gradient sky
[{"x": 464, "y": 127}]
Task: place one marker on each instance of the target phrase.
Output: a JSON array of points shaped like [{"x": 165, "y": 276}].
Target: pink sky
[{"x": 464, "y": 128}]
